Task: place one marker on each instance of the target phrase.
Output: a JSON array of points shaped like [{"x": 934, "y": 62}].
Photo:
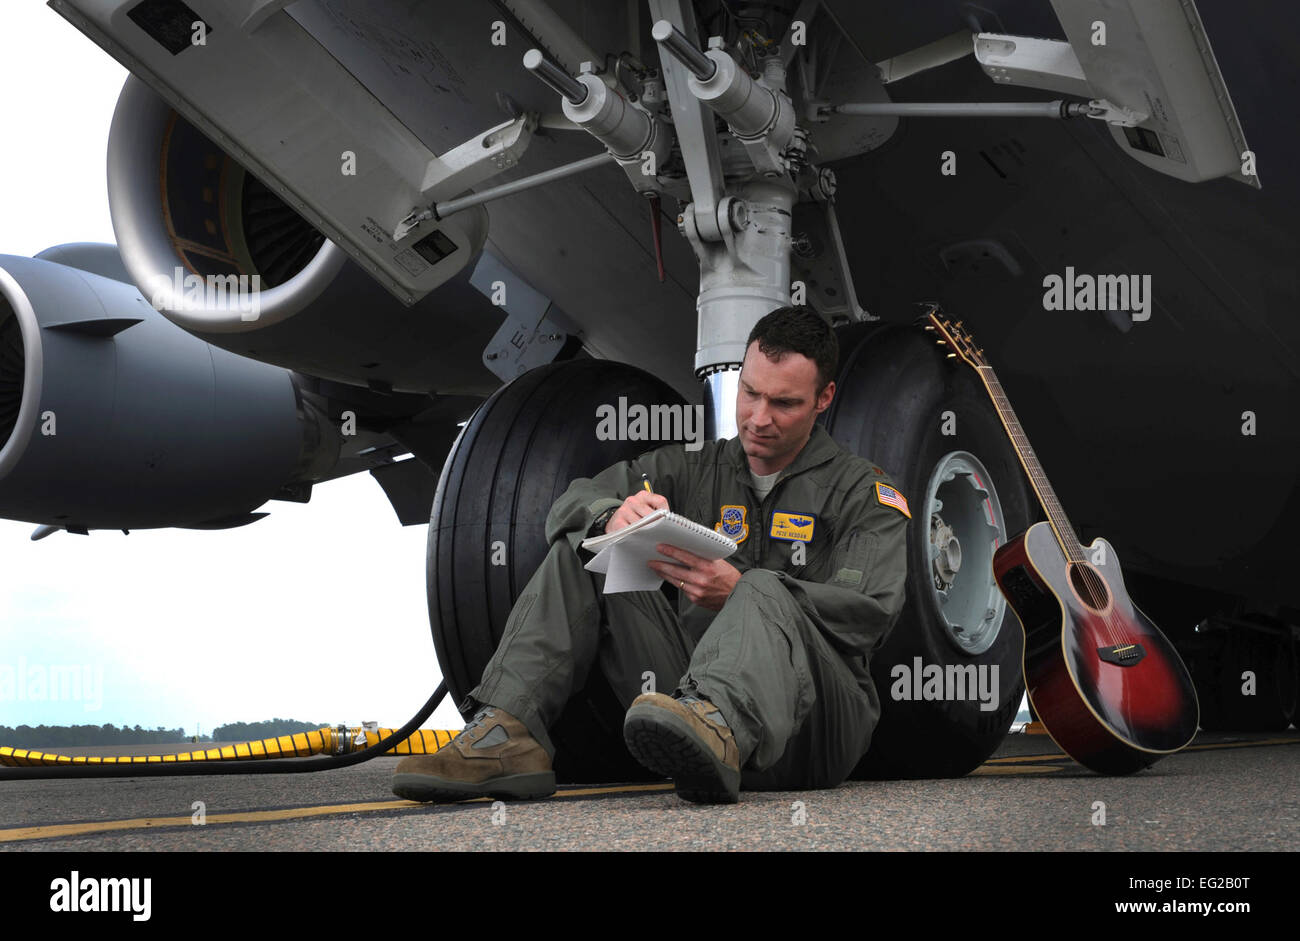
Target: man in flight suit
[{"x": 768, "y": 649}]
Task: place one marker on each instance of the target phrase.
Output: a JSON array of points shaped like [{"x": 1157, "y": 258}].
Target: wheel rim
[{"x": 966, "y": 526}]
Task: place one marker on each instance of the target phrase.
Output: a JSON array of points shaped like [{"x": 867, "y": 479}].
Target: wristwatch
[{"x": 600, "y": 522}]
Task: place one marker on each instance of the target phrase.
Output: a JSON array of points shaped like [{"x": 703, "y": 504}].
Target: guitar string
[
  {"x": 1061, "y": 527},
  {"x": 1092, "y": 580}
]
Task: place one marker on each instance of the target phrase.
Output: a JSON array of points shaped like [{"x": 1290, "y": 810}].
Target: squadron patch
[
  {"x": 733, "y": 524},
  {"x": 793, "y": 527},
  {"x": 888, "y": 496}
]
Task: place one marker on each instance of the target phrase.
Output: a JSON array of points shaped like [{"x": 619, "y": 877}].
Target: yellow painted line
[
  {"x": 616, "y": 789},
  {"x": 1019, "y": 759},
  {"x": 1015, "y": 769},
  {"x": 144, "y": 823},
  {"x": 569, "y": 792},
  {"x": 1024, "y": 759},
  {"x": 60, "y": 830},
  {"x": 1262, "y": 741}
]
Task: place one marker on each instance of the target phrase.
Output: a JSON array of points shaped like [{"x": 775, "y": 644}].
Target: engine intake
[{"x": 182, "y": 208}]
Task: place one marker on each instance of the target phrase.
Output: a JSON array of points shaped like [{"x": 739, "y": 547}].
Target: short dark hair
[{"x": 799, "y": 330}]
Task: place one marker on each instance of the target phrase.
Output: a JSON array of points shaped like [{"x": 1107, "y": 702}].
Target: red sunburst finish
[{"x": 1111, "y": 717}]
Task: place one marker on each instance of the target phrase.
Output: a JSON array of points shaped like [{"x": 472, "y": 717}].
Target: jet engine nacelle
[
  {"x": 178, "y": 203},
  {"x": 195, "y": 229},
  {"x": 113, "y": 417}
]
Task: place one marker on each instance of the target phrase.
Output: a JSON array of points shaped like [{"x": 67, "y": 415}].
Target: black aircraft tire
[
  {"x": 893, "y": 388},
  {"x": 514, "y": 457}
]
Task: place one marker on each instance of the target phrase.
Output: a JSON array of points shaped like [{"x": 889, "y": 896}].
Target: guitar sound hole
[{"x": 1089, "y": 586}]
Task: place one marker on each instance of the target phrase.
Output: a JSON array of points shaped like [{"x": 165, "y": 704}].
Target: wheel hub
[
  {"x": 945, "y": 552},
  {"x": 962, "y": 542}
]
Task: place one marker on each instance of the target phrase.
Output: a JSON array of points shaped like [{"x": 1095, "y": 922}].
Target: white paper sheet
[{"x": 623, "y": 561}]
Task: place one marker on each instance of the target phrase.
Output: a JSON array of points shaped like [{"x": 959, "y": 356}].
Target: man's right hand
[{"x": 642, "y": 503}]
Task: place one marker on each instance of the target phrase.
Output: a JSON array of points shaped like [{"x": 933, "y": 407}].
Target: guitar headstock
[{"x": 958, "y": 341}]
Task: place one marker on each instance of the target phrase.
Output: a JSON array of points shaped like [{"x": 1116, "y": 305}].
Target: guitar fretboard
[{"x": 1029, "y": 460}]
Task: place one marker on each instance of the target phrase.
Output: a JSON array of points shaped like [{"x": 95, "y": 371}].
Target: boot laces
[
  {"x": 711, "y": 712},
  {"x": 480, "y": 717}
]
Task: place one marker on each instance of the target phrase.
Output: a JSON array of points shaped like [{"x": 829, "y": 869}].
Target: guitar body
[
  {"x": 1112, "y": 691},
  {"x": 1109, "y": 687}
]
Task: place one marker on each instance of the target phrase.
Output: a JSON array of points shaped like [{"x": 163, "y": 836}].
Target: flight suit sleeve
[
  {"x": 587, "y": 497},
  {"x": 860, "y": 602}
]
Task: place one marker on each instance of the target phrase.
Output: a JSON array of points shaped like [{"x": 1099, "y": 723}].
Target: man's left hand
[{"x": 706, "y": 583}]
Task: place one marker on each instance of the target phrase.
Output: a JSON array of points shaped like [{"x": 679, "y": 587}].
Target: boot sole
[
  {"x": 428, "y": 788},
  {"x": 667, "y": 745}
]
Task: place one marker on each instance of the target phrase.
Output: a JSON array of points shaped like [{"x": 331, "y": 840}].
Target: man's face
[{"x": 776, "y": 407}]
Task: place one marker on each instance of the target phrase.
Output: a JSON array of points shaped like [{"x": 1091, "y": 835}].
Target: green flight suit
[{"x": 785, "y": 660}]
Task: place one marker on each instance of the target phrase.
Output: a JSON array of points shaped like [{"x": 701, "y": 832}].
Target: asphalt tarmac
[{"x": 1222, "y": 793}]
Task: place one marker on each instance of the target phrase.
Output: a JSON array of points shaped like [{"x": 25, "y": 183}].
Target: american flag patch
[{"x": 891, "y": 497}]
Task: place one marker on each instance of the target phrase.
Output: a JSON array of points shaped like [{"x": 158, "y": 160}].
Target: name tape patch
[{"x": 793, "y": 527}]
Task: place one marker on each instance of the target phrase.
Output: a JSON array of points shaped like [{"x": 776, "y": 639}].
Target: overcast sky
[{"x": 317, "y": 612}]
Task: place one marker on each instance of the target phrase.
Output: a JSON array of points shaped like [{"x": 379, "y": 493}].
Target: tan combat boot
[
  {"x": 493, "y": 756},
  {"x": 688, "y": 740}
]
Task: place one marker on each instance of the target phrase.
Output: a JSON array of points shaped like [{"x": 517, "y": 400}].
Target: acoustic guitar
[{"x": 1110, "y": 688}]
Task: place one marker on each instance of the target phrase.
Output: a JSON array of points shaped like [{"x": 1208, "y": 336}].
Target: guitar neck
[{"x": 1037, "y": 479}]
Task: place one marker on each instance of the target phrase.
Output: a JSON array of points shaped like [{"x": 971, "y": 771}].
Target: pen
[{"x": 646, "y": 480}]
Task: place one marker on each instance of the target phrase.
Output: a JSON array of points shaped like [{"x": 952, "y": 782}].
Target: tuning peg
[{"x": 952, "y": 355}]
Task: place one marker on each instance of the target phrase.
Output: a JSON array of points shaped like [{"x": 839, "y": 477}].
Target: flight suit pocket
[
  {"x": 511, "y": 631},
  {"x": 851, "y": 570}
]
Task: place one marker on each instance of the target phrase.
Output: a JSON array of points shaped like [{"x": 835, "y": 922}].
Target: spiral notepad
[{"x": 622, "y": 556}]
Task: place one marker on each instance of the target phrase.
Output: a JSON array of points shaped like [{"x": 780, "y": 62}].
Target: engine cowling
[
  {"x": 186, "y": 211},
  {"x": 180, "y": 204},
  {"x": 111, "y": 417}
]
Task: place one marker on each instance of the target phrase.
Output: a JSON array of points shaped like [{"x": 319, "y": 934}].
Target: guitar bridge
[{"x": 1124, "y": 655}]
